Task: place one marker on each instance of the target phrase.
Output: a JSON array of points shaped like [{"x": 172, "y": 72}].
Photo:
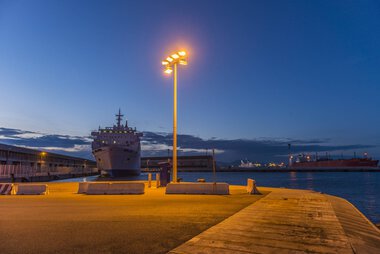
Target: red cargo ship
[{"x": 325, "y": 163}]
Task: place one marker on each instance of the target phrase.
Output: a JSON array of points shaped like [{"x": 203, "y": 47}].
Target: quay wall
[{"x": 279, "y": 170}]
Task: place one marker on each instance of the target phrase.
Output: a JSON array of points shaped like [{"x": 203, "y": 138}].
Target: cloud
[
  {"x": 153, "y": 148},
  {"x": 28, "y": 135},
  {"x": 158, "y": 143},
  {"x": 75, "y": 149},
  {"x": 64, "y": 144},
  {"x": 229, "y": 150}
]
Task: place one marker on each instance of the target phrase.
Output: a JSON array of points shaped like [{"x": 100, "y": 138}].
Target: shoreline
[{"x": 266, "y": 170}]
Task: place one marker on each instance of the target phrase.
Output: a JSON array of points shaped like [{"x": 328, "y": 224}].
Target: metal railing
[{"x": 7, "y": 171}]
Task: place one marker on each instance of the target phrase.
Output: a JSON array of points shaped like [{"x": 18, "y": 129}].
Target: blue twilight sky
[{"x": 257, "y": 69}]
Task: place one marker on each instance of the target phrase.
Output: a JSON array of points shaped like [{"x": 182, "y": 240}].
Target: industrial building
[
  {"x": 25, "y": 163},
  {"x": 185, "y": 163}
]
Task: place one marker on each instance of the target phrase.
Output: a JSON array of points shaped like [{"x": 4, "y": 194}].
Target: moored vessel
[
  {"x": 117, "y": 149},
  {"x": 305, "y": 162}
]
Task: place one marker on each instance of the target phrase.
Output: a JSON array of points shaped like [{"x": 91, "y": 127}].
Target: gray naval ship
[{"x": 117, "y": 149}]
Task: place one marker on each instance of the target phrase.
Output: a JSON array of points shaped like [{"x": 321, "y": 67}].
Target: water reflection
[
  {"x": 309, "y": 181},
  {"x": 293, "y": 180}
]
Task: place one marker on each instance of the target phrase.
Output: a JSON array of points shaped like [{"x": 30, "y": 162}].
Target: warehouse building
[{"x": 20, "y": 162}]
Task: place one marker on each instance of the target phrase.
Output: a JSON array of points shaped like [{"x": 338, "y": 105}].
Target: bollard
[
  {"x": 149, "y": 180},
  {"x": 158, "y": 180},
  {"x": 13, "y": 191},
  {"x": 251, "y": 187}
]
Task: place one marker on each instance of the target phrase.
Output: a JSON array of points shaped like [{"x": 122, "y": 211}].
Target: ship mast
[{"x": 118, "y": 118}]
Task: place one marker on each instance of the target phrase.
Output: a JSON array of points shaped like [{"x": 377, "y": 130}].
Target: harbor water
[{"x": 360, "y": 188}]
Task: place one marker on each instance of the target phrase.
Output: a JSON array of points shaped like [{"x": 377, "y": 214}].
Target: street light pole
[
  {"x": 171, "y": 65},
  {"x": 175, "y": 126}
]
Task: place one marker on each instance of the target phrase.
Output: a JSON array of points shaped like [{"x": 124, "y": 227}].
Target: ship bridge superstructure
[{"x": 119, "y": 134}]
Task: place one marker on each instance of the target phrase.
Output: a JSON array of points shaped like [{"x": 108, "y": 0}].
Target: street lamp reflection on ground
[{"x": 170, "y": 64}]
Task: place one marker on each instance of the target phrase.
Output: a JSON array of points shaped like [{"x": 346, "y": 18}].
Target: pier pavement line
[{"x": 287, "y": 221}]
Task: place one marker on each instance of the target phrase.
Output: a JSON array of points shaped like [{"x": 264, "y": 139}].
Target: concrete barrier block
[
  {"x": 83, "y": 186},
  {"x": 198, "y": 188},
  {"x": 251, "y": 187},
  {"x": 32, "y": 189},
  {"x": 6, "y": 188},
  {"x": 97, "y": 188},
  {"x": 126, "y": 188}
]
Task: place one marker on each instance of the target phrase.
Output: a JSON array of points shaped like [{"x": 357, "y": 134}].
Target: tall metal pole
[
  {"x": 213, "y": 166},
  {"x": 175, "y": 126}
]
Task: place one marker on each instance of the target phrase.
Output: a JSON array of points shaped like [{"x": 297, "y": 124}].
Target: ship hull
[{"x": 118, "y": 161}]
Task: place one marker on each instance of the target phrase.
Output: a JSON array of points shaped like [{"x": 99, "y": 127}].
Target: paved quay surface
[
  {"x": 280, "y": 221},
  {"x": 290, "y": 221},
  {"x": 65, "y": 222}
]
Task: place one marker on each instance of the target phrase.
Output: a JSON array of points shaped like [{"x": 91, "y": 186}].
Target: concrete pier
[
  {"x": 290, "y": 221},
  {"x": 279, "y": 221}
]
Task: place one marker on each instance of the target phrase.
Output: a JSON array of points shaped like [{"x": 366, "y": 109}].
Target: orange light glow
[
  {"x": 182, "y": 62},
  {"x": 175, "y": 56},
  {"x": 169, "y": 59},
  {"x": 165, "y": 63},
  {"x": 182, "y": 53},
  {"x": 168, "y": 70}
]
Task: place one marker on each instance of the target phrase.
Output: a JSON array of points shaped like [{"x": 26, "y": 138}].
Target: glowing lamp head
[
  {"x": 168, "y": 70},
  {"x": 175, "y": 56},
  {"x": 182, "y": 62},
  {"x": 182, "y": 53},
  {"x": 165, "y": 62},
  {"x": 43, "y": 153},
  {"x": 169, "y": 59}
]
